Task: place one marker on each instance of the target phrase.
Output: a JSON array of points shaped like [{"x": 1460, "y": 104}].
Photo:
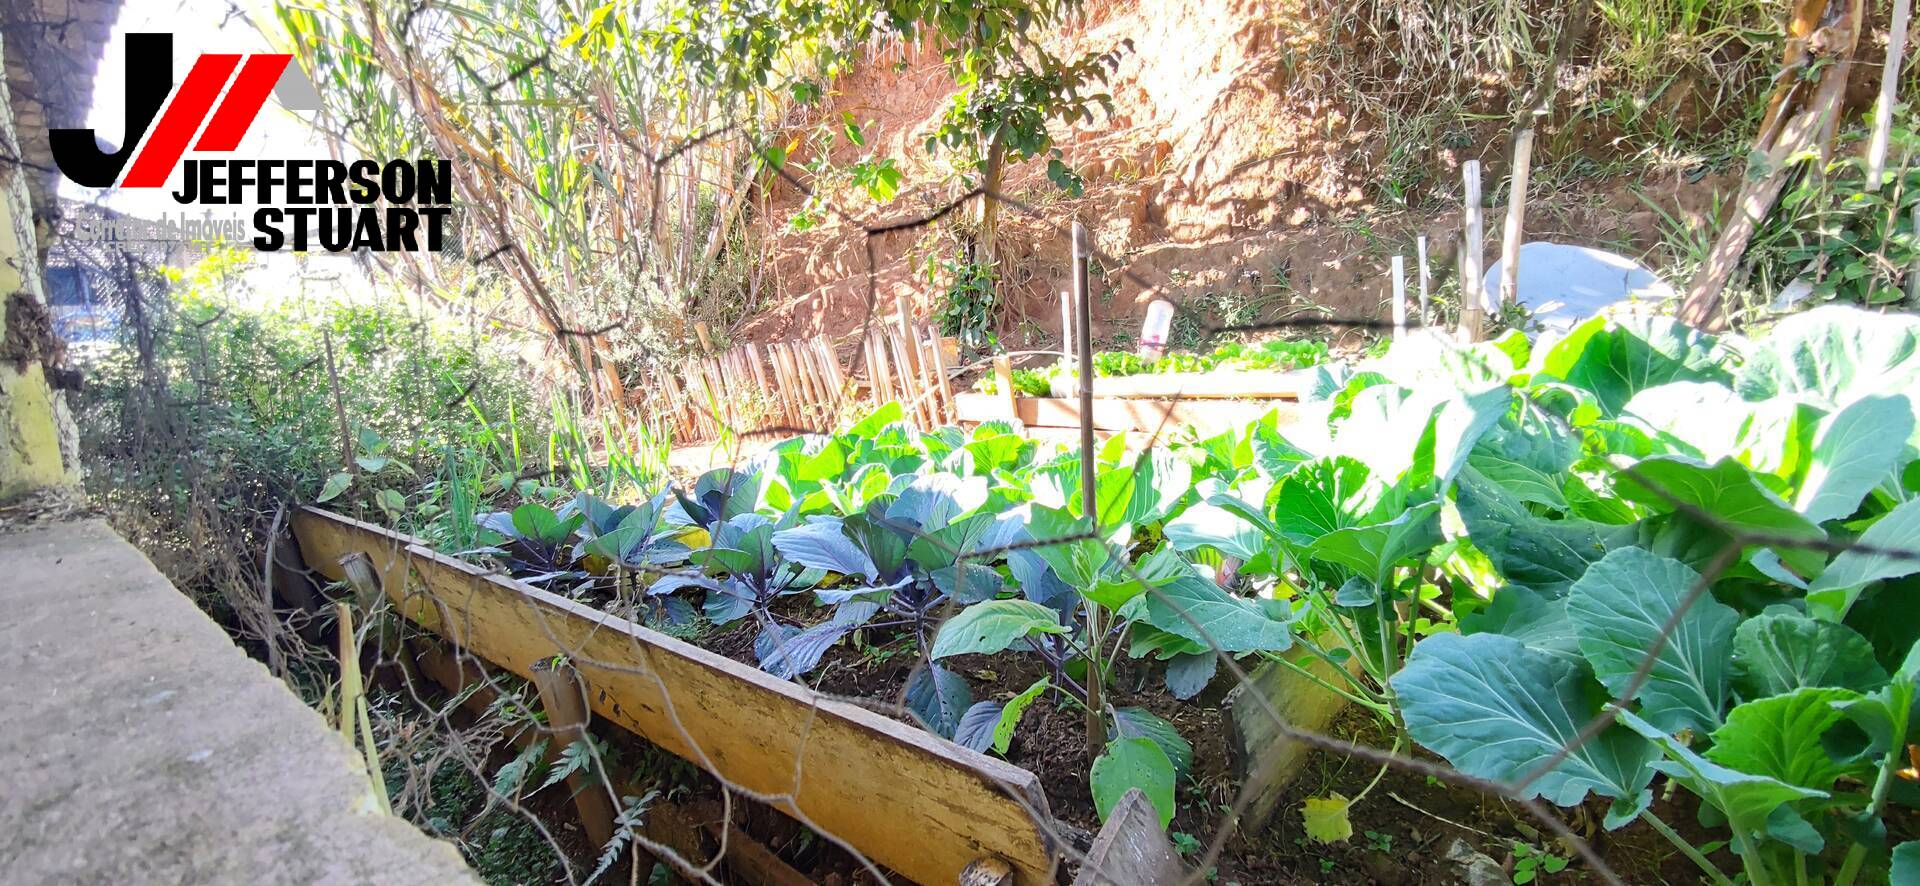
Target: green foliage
[
  {"x": 1857, "y": 241},
  {"x": 1130, "y": 763},
  {"x": 967, "y": 308},
  {"x": 1277, "y": 355}
]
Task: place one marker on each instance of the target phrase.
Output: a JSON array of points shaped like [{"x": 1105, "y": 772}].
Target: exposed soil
[
  {"x": 1403, "y": 829},
  {"x": 1227, "y": 179}
]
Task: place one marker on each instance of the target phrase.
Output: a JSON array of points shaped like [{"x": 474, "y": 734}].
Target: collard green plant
[{"x": 1689, "y": 553}]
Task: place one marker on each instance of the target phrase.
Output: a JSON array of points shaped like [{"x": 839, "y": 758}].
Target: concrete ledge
[{"x": 142, "y": 746}]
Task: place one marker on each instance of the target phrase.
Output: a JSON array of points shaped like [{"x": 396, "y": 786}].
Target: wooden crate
[{"x": 907, "y": 799}]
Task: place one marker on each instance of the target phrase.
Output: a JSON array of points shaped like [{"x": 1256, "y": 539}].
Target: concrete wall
[{"x": 38, "y": 443}]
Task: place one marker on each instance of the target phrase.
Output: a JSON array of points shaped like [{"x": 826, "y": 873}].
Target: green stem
[
  {"x": 1686, "y": 848},
  {"x": 1399, "y": 744},
  {"x": 1756, "y": 867},
  {"x": 1889, "y": 768},
  {"x": 1310, "y": 675},
  {"x": 1850, "y": 867}
]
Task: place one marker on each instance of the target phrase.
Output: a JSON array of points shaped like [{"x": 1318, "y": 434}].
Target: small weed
[
  {"x": 1185, "y": 843},
  {"x": 1379, "y": 842},
  {"x": 1529, "y": 862}
]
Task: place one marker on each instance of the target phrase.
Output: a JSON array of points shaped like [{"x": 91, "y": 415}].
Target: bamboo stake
[
  {"x": 1473, "y": 303},
  {"x": 1889, "y": 89},
  {"x": 903, "y": 377},
  {"x": 1399, "y": 297},
  {"x": 816, "y": 386},
  {"x": 1516, "y": 218},
  {"x": 882, "y": 373},
  {"x": 1426, "y": 279},
  {"x": 834, "y": 374},
  {"x": 790, "y": 393},
  {"x": 758, "y": 364},
  {"x": 929, "y": 389},
  {"x": 940, "y": 374},
  {"x": 1083, "y": 338},
  {"x": 563, "y": 695}
]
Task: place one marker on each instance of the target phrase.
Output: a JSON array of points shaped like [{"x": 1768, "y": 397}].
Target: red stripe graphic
[
  {"x": 245, "y": 98},
  {"x": 182, "y": 118}
]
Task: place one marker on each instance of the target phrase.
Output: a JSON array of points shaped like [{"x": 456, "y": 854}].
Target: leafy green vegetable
[
  {"x": 1498, "y": 710},
  {"x": 1623, "y": 604},
  {"x": 1130, "y": 763},
  {"x": 986, "y": 628}
]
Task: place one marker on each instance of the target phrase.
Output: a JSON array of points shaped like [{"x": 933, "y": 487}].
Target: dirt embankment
[{"x": 1230, "y": 178}]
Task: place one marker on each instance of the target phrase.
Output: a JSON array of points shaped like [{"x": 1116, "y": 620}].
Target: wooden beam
[
  {"x": 913, "y": 802},
  {"x": 1261, "y": 384},
  {"x": 1117, "y": 414},
  {"x": 1263, "y": 758}
]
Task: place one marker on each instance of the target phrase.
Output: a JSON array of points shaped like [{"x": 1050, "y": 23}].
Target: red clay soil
[{"x": 1223, "y": 168}]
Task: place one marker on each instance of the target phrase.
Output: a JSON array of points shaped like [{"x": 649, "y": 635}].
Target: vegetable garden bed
[
  {"x": 1477, "y": 546},
  {"x": 923, "y": 808}
]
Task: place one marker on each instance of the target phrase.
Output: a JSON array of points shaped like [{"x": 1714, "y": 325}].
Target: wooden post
[
  {"x": 1083, "y": 341},
  {"x": 706, "y": 338},
  {"x": 1003, "y": 380},
  {"x": 1426, "y": 279},
  {"x": 1516, "y": 217},
  {"x": 1472, "y": 302},
  {"x": 1399, "y": 297},
  {"x": 1889, "y": 90},
  {"x": 563, "y": 695}
]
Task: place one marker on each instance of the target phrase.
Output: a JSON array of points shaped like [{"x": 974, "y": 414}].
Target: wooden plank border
[
  {"x": 915, "y": 803},
  {"x": 1122, "y": 413}
]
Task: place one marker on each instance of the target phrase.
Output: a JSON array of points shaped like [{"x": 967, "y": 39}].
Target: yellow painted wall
[{"x": 31, "y": 413}]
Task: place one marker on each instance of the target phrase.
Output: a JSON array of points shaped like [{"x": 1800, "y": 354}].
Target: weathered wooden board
[
  {"x": 1260, "y": 384},
  {"x": 1263, "y": 758},
  {"x": 912, "y": 802},
  {"x": 1132, "y": 849},
  {"x": 1122, "y": 414}
]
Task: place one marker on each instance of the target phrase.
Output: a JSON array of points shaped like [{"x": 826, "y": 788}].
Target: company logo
[
  {"x": 397, "y": 205},
  {"x": 149, "y": 82}
]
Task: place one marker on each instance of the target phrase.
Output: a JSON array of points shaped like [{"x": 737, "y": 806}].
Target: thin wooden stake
[
  {"x": 1516, "y": 218},
  {"x": 1889, "y": 91},
  {"x": 1399, "y": 297},
  {"x": 1066, "y": 324},
  {"x": 1473, "y": 304},
  {"x": 940, "y": 375},
  {"x": 1083, "y": 340},
  {"x": 1426, "y": 279},
  {"x": 339, "y": 405},
  {"x": 563, "y": 695}
]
